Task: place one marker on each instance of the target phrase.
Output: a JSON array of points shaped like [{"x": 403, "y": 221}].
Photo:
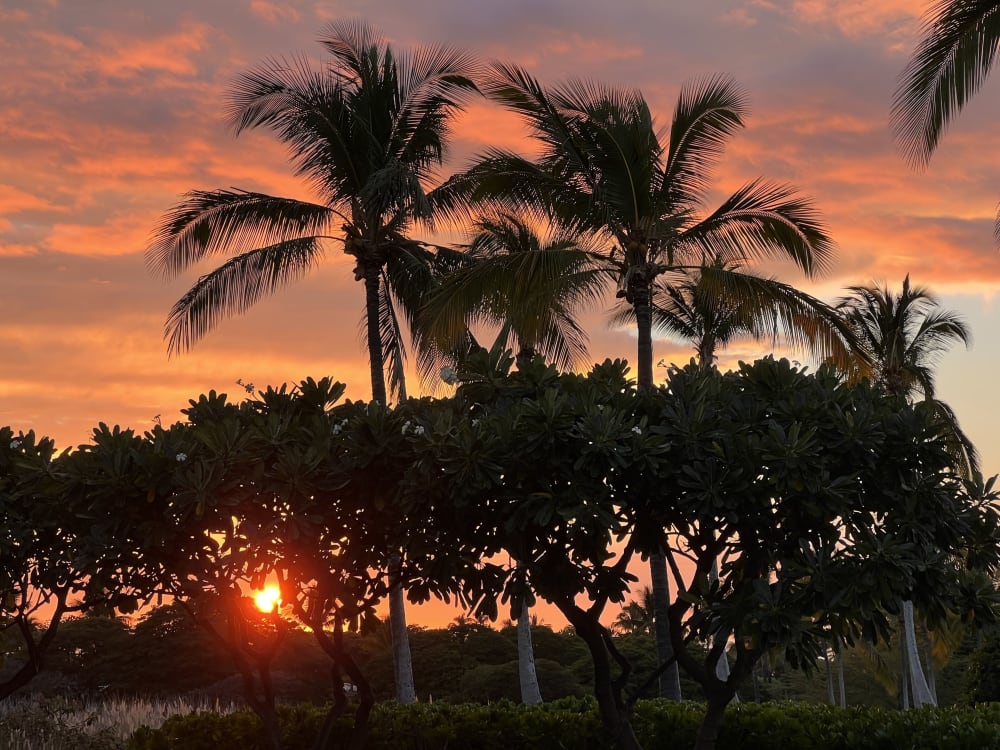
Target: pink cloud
[{"x": 273, "y": 12}]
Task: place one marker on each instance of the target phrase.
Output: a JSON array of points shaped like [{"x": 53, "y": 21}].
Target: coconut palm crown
[
  {"x": 367, "y": 132},
  {"x": 605, "y": 169},
  {"x": 527, "y": 283},
  {"x": 714, "y": 305},
  {"x": 905, "y": 336}
]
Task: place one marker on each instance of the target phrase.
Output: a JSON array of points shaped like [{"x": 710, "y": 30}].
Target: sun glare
[{"x": 267, "y": 598}]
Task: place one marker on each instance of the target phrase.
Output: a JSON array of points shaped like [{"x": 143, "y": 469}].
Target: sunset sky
[{"x": 111, "y": 109}]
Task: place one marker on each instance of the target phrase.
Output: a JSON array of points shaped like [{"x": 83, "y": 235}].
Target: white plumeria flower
[
  {"x": 637, "y": 430},
  {"x": 449, "y": 376},
  {"x": 406, "y": 426},
  {"x": 15, "y": 444},
  {"x": 181, "y": 457},
  {"x": 418, "y": 430}
]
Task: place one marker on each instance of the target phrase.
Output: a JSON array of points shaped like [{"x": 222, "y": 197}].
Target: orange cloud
[{"x": 859, "y": 17}]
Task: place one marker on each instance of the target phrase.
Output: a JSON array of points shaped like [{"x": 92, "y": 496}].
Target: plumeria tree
[
  {"x": 605, "y": 169},
  {"x": 367, "y": 132}
]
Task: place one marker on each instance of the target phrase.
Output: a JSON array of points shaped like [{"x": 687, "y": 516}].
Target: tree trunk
[
  {"x": 904, "y": 676},
  {"x": 373, "y": 278},
  {"x": 840, "y": 678},
  {"x": 669, "y": 681},
  {"x": 708, "y": 733},
  {"x": 35, "y": 650},
  {"x": 722, "y": 665},
  {"x": 334, "y": 648},
  {"x": 829, "y": 680},
  {"x": 530, "y": 693},
  {"x": 402, "y": 662},
  {"x": 610, "y": 706},
  {"x": 921, "y": 693},
  {"x": 639, "y": 293}
]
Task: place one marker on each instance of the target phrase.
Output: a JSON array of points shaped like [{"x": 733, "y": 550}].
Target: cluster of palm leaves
[{"x": 611, "y": 203}]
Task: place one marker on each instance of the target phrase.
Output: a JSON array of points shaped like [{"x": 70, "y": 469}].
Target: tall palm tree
[
  {"x": 530, "y": 285},
  {"x": 605, "y": 169},
  {"x": 955, "y": 54},
  {"x": 367, "y": 132},
  {"x": 905, "y": 334}
]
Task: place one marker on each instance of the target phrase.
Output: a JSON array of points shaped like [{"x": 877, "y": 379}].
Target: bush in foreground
[{"x": 573, "y": 724}]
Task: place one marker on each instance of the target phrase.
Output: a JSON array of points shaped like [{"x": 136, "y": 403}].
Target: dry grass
[{"x": 37, "y": 723}]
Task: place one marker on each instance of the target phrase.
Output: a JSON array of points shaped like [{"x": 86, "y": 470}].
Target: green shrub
[{"x": 572, "y": 724}]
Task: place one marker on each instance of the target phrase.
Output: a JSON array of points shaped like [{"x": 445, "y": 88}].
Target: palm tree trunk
[
  {"x": 904, "y": 676},
  {"x": 530, "y": 693},
  {"x": 921, "y": 692},
  {"x": 670, "y": 680},
  {"x": 373, "y": 278},
  {"x": 402, "y": 661},
  {"x": 639, "y": 294},
  {"x": 829, "y": 680},
  {"x": 840, "y": 677}
]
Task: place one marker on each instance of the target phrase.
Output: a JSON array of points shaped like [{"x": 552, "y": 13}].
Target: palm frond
[
  {"x": 235, "y": 286},
  {"x": 960, "y": 446},
  {"x": 714, "y": 305},
  {"x": 762, "y": 220},
  {"x": 708, "y": 112},
  {"x": 955, "y": 54},
  {"x": 391, "y": 334},
  {"x": 904, "y": 335},
  {"x": 229, "y": 221},
  {"x": 516, "y": 278}
]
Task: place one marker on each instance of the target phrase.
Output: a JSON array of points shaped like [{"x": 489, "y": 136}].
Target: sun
[{"x": 267, "y": 598}]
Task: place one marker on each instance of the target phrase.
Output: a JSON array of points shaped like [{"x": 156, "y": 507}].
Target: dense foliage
[
  {"x": 827, "y": 504},
  {"x": 573, "y": 724}
]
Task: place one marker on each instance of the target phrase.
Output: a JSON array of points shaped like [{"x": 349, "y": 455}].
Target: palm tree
[
  {"x": 905, "y": 335},
  {"x": 714, "y": 305},
  {"x": 526, "y": 284},
  {"x": 954, "y": 56},
  {"x": 718, "y": 303},
  {"x": 530, "y": 286},
  {"x": 367, "y": 132},
  {"x": 604, "y": 169}
]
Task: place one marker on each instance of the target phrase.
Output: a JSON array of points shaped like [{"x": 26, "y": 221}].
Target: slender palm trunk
[
  {"x": 929, "y": 661},
  {"x": 669, "y": 682},
  {"x": 530, "y": 693},
  {"x": 373, "y": 278},
  {"x": 922, "y": 695},
  {"x": 402, "y": 662},
  {"x": 840, "y": 677},
  {"x": 639, "y": 294},
  {"x": 829, "y": 680},
  {"x": 904, "y": 676}
]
